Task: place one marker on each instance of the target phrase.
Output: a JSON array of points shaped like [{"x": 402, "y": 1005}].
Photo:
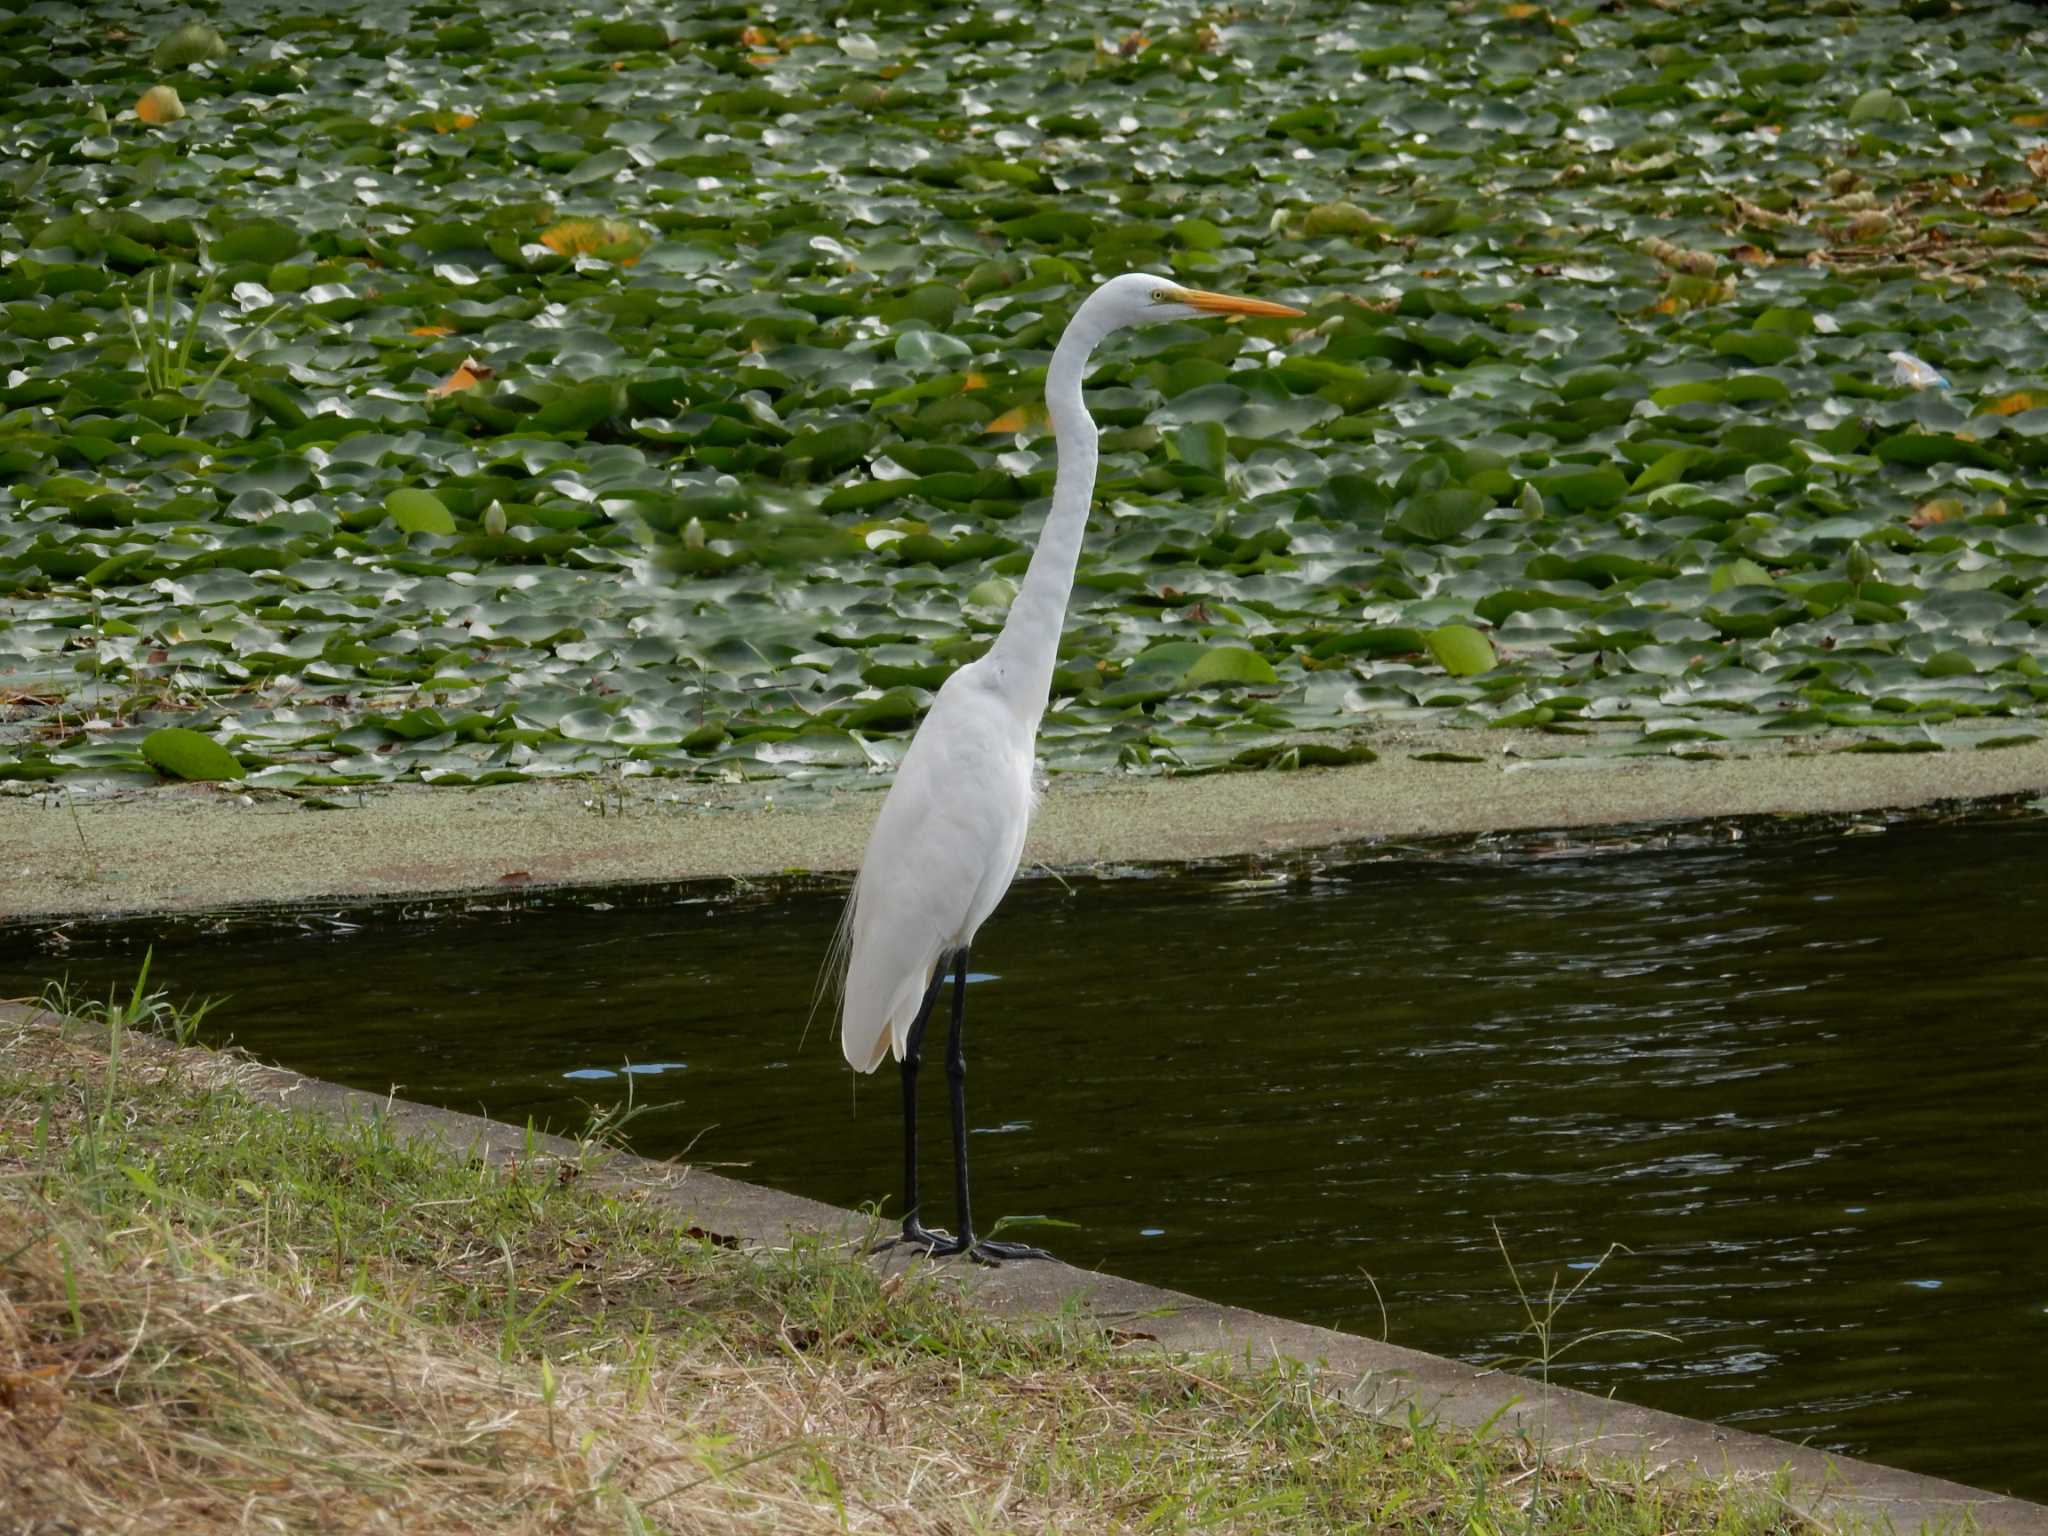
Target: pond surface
[{"x": 1801, "y": 1078}]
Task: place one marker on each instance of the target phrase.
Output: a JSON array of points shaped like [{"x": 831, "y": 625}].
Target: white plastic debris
[{"x": 1913, "y": 373}]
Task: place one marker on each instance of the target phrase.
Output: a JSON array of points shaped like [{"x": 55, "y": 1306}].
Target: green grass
[{"x": 217, "y": 1315}]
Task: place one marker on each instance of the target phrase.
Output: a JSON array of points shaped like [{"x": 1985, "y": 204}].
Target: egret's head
[{"x": 1140, "y": 298}]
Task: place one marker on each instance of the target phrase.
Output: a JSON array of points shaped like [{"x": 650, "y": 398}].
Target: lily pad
[
  {"x": 460, "y": 398},
  {"x": 418, "y": 511},
  {"x": 185, "y": 754},
  {"x": 1461, "y": 650},
  {"x": 1231, "y": 664}
]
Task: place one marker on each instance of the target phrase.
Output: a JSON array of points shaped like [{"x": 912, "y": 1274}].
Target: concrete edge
[
  {"x": 1384, "y": 1381},
  {"x": 203, "y": 848}
]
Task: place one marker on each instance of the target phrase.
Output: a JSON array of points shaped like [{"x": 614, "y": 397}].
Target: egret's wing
[
  {"x": 887, "y": 970},
  {"x": 942, "y": 852}
]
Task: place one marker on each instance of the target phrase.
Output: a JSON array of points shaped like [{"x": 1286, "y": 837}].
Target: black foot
[
  {"x": 988, "y": 1251},
  {"x": 937, "y": 1243}
]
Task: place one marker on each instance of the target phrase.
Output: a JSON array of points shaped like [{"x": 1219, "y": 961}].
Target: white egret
[{"x": 951, "y": 831}]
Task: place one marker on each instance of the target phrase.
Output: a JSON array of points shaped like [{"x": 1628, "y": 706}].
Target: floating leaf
[
  {"x": 1739, "y": 573},
  {"x": 611, "y": 239},
  {"x": 1027, "y": 417},
  {"x": 737, "y": 275},
  {"x": 159, "y": 104},
  {"x": 1679, "y": 259},
  {"x": 2018, "y": 400},
  {"x": 1231, "y": 664},
  {"x": 1461, "y": 650},
  {"x": 1443, "y": 514},
  {"x": 1339, "y": 218},
  {"x": 418, "y": 511},
  {"x": 185, "y": 754},
  {"x": 262, "y": 240},
  {"x": 193, "y": 43},
  {"x": 632, "y": 36},
  {"x": 1879, "y": 106},
  {"x": 467, "y": 375}
]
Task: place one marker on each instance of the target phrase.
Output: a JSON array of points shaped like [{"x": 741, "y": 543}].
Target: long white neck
[{"x": 1025, "y": 650}]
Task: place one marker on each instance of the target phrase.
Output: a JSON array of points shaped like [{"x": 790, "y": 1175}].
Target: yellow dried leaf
[
  {"x": 1753, "y": 256},
  {"x": 1939, "y": 510},
  {"x": 1019, "y": 418},
  {"x": 2037, "y": 162},
  {"x": 587, "y": 237},
  {"x": 432, "y": 330},
  {"x": 467, "y": 376},
  {"x": 975, "y": 381},
  {"x": 755, "y": 37},
  {"x": 1679, "y": 259},
  {"x": 159, "y": 104},
  {"x": 2031, "y": 120},
  {"x": 2019, "y": 400}
]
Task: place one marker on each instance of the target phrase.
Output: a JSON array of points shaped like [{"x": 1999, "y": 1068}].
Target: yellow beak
[{"x": 1227, "y": 304}]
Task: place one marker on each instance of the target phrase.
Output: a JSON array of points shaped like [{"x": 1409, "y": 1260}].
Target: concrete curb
[
  {"x": 200, "y": 847},
  {"x": 1382, "y": 1380}
]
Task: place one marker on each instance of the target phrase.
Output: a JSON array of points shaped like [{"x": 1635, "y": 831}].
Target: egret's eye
[{"x": 1158, "y": 295}]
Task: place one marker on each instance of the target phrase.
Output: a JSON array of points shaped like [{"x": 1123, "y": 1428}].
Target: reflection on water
[{"x": 1802, "y": 1083}]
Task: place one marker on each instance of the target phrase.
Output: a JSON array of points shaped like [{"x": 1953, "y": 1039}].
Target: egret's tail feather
[
  {"x": 877, "y": 1019},
  {"x": 832, "y": 974},
  {"x": 887, "y": 967}
]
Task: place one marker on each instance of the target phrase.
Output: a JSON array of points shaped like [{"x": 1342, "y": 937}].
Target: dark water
[{"x": 1803, "y": 1080}]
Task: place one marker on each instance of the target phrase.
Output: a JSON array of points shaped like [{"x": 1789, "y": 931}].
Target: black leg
[
  {"x": 986, "y": 1251},
  {"x": 915, "y": 1233}
]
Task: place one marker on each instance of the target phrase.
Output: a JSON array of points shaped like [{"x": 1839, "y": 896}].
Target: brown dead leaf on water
[
  {"x": 614, "y": 238},
  {"x": 159, "y": 105},
  {"x": 2006, "y": 200},
  {"x": 1747, "y": 212},
  {"x": 467, "y": 376},
  {"x": 1679, "y": 259},
  {"x": 1938, "y": 509},
  {"x": 1019, "y": 418},
  {"x": 2019, "y": 400}
]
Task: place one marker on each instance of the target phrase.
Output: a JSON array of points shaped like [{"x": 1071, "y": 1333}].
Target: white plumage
[{"x": 942, "y": 854}]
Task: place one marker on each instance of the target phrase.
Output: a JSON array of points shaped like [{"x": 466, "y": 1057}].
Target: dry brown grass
[{"x": 215, "y": 1317}]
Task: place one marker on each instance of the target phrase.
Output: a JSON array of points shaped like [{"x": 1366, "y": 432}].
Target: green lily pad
[
  {"x": 193, "y": 43},
  {"x": 185, "y": 754},
  {"x": 682, "y": 339},
  {"x": 1461, "y": 650},
  {"x": 1231, "y": 664},
  {"x": 418, "y": 511}
]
